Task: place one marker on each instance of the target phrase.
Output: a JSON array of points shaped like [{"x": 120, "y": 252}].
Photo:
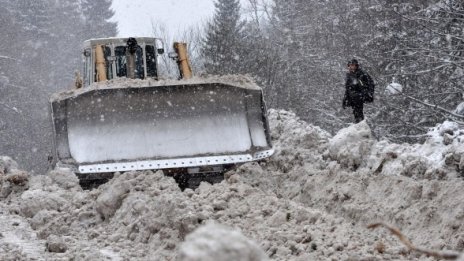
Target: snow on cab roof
[{"x": 118, "y": 40}]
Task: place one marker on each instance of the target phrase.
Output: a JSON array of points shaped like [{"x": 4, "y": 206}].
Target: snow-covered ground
[{"x": 312, "y": 200}]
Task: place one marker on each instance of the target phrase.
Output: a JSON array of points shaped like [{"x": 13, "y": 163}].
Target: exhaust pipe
[{"x": 182, "y": 60}]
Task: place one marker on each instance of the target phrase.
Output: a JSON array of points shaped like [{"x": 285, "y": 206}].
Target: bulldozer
[{"x": 122, "y": 116}]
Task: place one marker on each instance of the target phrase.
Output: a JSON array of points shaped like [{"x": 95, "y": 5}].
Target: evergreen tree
[
  {"x": 222, "y": 46},
  {"x": 40, "y": 50},
  {"x": 97, "y": 15},
  {"x": 11, "y": 32}
]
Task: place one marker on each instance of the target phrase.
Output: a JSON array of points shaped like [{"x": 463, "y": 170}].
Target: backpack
[{"x": 369, "y": 89}]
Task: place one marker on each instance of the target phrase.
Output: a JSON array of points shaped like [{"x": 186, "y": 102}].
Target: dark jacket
[{"x": 357, "y": 88}]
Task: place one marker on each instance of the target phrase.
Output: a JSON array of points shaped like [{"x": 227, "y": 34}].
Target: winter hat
[{"x": 353, "y": 61}]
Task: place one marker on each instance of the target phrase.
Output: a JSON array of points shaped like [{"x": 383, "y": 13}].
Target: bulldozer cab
[{"x": 109, "y": 58}]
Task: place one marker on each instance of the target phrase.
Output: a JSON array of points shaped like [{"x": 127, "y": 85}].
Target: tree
[
  {"x": 222, "y": 46},
  {"x": 314, "y": 39},
  {"x": 96, "y": 18},
  {"x": 192, "y": 36},
  {"x": 418, "y": 44},
  {"x": 40, "y": 49}
]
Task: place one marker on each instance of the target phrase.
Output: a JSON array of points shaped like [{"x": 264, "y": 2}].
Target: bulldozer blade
[{"x": 159, "y": 127}]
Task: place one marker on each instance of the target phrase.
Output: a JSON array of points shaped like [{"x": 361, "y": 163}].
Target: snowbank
[
  {"x": 311, "y": 201},
  {"x": 440, "y": 157}
]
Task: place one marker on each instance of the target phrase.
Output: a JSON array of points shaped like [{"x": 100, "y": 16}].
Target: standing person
[{"x": 359, "y": 88}]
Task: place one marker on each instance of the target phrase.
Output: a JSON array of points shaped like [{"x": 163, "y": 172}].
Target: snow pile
[
  {"x": 217, "y": 242},
  {"x": 17, "y": 240},
  {"x": 351, "y": 145},
  {"x": 440, "y": 157},
  {"x": 7, "y": 165},
  {"x": 11, "y": 178},
  {"x": 351, "y": 175},
  {"x": 311, "y": 201}
]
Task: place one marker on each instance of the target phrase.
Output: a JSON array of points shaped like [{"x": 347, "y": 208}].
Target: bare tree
[{"x": 417, "y": 43}]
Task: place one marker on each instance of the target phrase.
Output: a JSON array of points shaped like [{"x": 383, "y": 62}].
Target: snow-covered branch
[
  {"x": 10, "y": 108},
  {"x": 9, "y": 58},
  {"x": 435, "y": 106}
]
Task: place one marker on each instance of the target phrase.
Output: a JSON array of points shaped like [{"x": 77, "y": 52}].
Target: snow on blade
[{"x": 236, "y": 80}]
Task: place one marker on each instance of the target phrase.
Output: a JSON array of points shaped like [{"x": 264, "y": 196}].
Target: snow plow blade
[{"x": 182, "y": 125}]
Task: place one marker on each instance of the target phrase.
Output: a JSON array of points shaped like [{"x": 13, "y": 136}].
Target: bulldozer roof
[{"x": 116, "y": 40}]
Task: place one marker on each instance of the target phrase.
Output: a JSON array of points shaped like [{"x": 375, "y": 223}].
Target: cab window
[
  {"x": 151, "y": 61},
  {"x": 120, "y": 53},
  {"x": 121, "y": 62},
  {"x": 109, "y": 68}
]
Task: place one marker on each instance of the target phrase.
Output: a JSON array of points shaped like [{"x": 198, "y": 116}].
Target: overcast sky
[{"x": 135, "y": 17}]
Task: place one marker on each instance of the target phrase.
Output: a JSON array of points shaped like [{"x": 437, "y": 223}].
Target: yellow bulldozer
[{"x": 124, "y": 117}]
